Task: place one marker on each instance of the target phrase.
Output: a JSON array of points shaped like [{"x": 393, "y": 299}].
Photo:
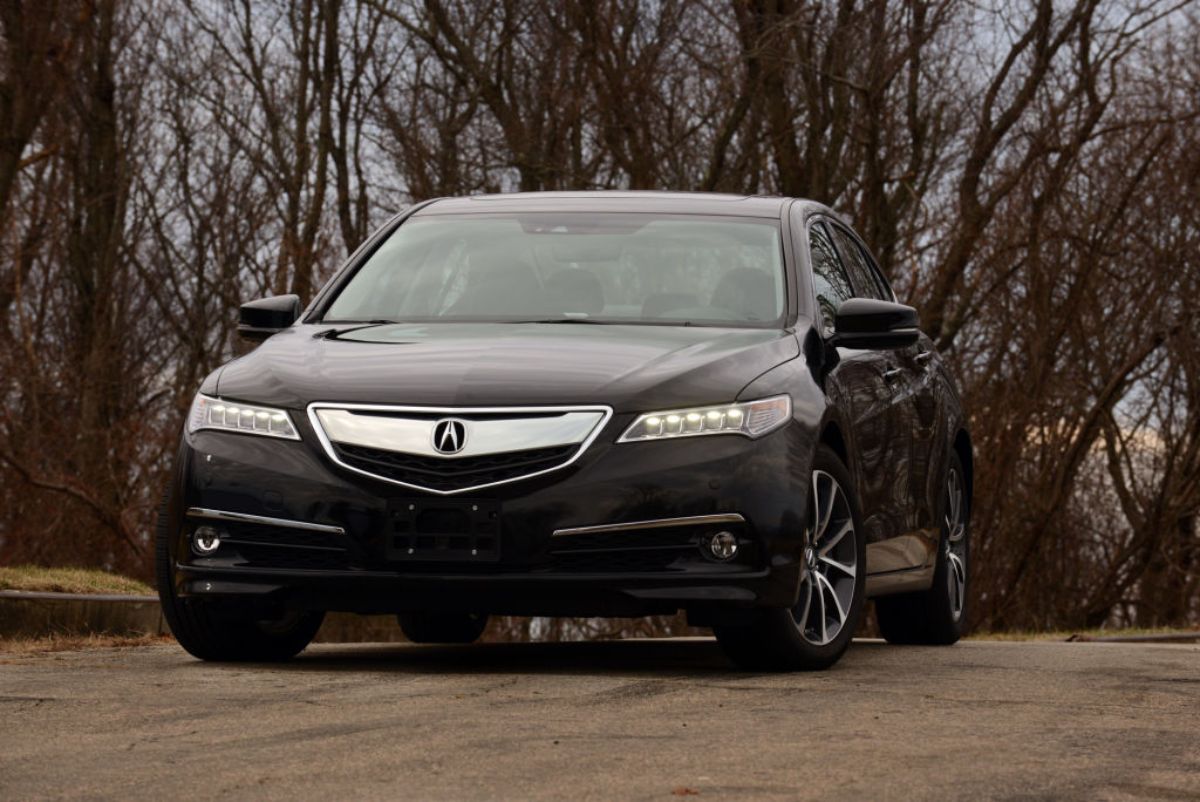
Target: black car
[{"x": 579, "y": 404}]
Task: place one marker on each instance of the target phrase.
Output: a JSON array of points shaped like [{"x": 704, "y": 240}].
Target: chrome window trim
[
  {"x": 244, "y": 517},
  {"x": 656, "y": 523},
  {"x": 326, "y": 444}
]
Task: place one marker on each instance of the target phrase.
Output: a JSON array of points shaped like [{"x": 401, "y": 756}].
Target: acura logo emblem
[{"x": 449, "y": 436}]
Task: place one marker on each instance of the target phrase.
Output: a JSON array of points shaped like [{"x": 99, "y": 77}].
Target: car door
[
  {"x": 916, "y": 408},
  {"x": 861, "y": 384}
]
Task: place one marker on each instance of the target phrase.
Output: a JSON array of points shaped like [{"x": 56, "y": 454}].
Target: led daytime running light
[
  {"x": 749, "y": 419},
  {"x": 231, "y": 416}
]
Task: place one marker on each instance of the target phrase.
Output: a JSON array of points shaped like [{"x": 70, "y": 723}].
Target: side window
[
  {"x": 867, "y": 281},
  {"x": 830, "y": 282}
]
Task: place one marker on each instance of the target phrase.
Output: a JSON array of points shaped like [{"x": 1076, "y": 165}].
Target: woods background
[{"x": 1028, "y": 175}]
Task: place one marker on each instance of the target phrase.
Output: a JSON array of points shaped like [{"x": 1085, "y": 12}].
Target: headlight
[
  {"x": 750, "y": 419},
  {"x": 230, "y": 416}
]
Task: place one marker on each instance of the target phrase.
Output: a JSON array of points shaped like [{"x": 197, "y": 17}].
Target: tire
[
  {"x": 938, "y": 616},
  {"x": 800, "y": 638},
  {"x": 225, "y": 631},
  {"x": 442, "y": 627}
]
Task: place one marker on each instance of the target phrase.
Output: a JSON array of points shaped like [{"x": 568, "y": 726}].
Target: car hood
[{"x": 632, "y": 368}]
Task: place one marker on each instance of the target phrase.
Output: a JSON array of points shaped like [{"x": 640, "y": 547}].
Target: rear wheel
[
  {"x": 225, "y": 631},
  {"x": 442, "y": 627},
  {"x": 815, "y": 633},
  {"x": 937, "y": 616}
]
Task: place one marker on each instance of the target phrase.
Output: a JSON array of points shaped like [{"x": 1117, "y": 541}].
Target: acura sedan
[{"x": 579, "y": 404}]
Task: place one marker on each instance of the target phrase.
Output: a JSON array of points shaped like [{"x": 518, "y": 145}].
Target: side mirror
[
  {"x": 258, "y": 320},
  {"x": 867, "y": 323}
]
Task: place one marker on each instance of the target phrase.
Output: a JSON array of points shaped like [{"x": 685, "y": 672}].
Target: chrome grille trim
[
  {"x": 483, "y": 437},
  {"x": 246, "y": 518},
  {"x": 603, "y": 412},
  {"x": 656, "y": 523}
]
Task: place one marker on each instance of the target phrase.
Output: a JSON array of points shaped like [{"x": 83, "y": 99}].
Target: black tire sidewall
[
  {"x": 214, "y": 631},
  {"x": 774, "y": 641},
  {"x": 828, "y": 461},
  {"x": 945, "y": 627}
]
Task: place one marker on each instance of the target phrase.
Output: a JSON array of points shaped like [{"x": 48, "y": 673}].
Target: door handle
[
  {"x": 923, "y": 358},
  {"x": 892, "y": 374}
]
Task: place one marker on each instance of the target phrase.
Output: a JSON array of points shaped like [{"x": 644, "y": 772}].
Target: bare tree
[{"x": 1027, "y": 174}]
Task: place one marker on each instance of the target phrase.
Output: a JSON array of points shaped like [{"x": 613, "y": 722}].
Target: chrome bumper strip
[
  {"x": 657, "y": 523},
  {"x": 246, "y": 518}
]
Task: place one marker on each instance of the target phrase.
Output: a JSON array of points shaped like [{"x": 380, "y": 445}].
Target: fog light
[
  {"x": 723, "y": 545},
  {"x": 206, "y": 540}
]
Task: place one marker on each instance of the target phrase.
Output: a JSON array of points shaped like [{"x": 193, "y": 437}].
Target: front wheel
[
  {"x": 938, "y": 616},
  {"x": 225, "y": 631},
  {"x": 815, "y": 633}
]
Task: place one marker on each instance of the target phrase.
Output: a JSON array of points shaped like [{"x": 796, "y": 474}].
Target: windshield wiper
[
  {"x": 347, "y": 326},
  {"x": 585, "y": 320}
]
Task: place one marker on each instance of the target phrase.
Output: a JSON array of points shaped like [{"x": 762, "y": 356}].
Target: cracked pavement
[{"x": 637, "y": 719}]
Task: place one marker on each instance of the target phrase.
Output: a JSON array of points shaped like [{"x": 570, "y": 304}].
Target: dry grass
[
  {"x": 10, "y": 647},
  {"x": 69, "y": 580}
]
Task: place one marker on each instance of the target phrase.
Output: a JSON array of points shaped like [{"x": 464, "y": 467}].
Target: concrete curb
[
  {"x": 30, "y": 614},
  {"x": 1173, "y": 637}
]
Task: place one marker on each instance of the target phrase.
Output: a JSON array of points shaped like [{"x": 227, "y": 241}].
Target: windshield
[{"x": 572, "y": 267}]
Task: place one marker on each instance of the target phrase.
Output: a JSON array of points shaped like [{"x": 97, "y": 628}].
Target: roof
[{"x": 708, "y": 203}]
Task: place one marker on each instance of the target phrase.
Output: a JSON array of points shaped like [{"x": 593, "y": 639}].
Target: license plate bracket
[{"x": 441, "y": 530}]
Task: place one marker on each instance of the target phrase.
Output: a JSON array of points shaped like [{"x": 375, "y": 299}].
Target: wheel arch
[
  {"x": 831, "y": 435},
  {"x": 966, "y": 455}
]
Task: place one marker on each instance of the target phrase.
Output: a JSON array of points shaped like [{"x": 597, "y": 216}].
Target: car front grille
[
  {"x": 264, "y": 546},
  {"x": 303, "y": 559},
  {"x": 452, "y": 475},
  {"x": 452, "y": 450},
  {"x": 676, "y": 548},
  {"x": 624, "y": 561}
]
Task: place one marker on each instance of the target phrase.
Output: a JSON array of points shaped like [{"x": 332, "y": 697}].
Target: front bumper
[{"x": 631, "y": 572}]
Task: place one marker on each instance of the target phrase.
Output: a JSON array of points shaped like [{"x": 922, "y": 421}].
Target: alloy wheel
[
  {"x": 956, "y": 543},
  {"x": 831, "y": 560}
]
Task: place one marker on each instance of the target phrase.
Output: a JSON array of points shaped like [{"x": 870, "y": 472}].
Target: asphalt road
[{"x": 611, "y": 720}]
